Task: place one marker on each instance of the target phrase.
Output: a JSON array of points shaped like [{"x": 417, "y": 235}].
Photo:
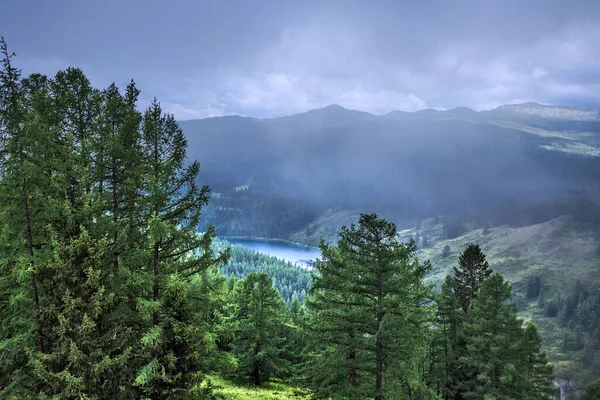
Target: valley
[{"x": 520, "y": 180}]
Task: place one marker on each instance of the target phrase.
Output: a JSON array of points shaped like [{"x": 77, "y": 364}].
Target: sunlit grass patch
[{"x": 242, "y": 390}]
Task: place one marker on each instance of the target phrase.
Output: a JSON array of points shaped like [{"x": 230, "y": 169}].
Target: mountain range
[{"x": 516, "y": 164}]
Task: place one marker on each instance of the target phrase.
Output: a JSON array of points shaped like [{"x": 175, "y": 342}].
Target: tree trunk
[
  {"x": 155, "y": 286},
  {"x": 378, "y": 341},
  {"x": 352, "y": 358},
  {"x": 255, "y": 367},
  {"x": 39, "y": 340}
]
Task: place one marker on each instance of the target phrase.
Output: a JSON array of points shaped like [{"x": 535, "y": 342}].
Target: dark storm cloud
[{"x": 267, "y": 58}]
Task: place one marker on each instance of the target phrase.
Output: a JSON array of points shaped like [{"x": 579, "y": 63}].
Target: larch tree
[
  {"x": 258, "y": 315},
  {"x": 23, "y": 186},
  {"x": 175, "y": 254}
]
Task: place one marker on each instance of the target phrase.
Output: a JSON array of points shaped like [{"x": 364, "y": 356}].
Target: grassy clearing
[{"x": 244, "y": 391}]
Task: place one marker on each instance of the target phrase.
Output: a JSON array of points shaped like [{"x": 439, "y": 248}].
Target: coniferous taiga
[{"x": 109, "y": 290}]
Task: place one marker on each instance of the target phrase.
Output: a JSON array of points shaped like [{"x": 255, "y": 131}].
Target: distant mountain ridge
[
  {"x": 421, "y": 163},
  {"x": 531, "y": 109}
]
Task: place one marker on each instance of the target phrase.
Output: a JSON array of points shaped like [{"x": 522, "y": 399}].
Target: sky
[{"x": 273, "y": 58}]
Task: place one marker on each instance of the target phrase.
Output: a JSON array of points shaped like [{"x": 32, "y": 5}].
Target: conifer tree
[
  {"x": 592, "y": 391},
  {"x": 335, "y": 357},
  {"x": 370, "y": 293},
  {"x": 537, "y": 368},
  {"x": 447, "y": 342},
  {"x": 258, "y": 317},
  {"x": 175, "y": 255},
  {"x": 493, "y": 336},
  {"x": 22, "y": 187},
  {"x": 472, "y": 271},
  {"x": 91, "y": 347}
]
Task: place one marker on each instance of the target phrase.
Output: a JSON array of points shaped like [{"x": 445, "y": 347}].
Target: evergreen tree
[
  {"x": 472, "y": 271},
  {"x": 23, "y": 184},
  {"x": 258, "y": 317},
  {"x": 504, "y": 359},
  {"x": 448, "y": 342},
  {"x": 446, "y": 251},
  {"x": 492, "y": 333},
  {"x": 370, "y": 293},
  {"x": 334, "y": 357},
  {"x": 89, "y": 346},
  {"x": 537, "y": 368},
  {"x": 176, "y": 253},
  {"x": 592, "y": 391}
]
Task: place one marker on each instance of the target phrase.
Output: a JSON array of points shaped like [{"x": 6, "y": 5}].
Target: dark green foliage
[
  {"x": 484, "y": 350},
  {"x": 369, "y": 292},
  {"x": 447, "y": 345},
  {"x": 534, "y": 286},
  {"x": 173, "y": 340},
  {"x": 258, "y": 317},
  {"x": 287, "y": 278},
  {"x": 579, "y": 312},
  {"x": 592, "y": 391},
  {"x": 108, "y": 290},
  {"x": 472, "y": 271},
  {"x": 494, "y": 351},
  {"x": 537, "y": 368}
]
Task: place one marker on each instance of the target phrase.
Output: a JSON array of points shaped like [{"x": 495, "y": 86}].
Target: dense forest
[
  {"x": 291, "y": 281},
  {"x": 109, "y": 290}
]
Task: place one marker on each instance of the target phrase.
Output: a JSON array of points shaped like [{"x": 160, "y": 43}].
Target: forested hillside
[
  {"x": 109, "y": 290},
  {"x": 516, "y": 165},
  {"x": 291, "y": 281}
]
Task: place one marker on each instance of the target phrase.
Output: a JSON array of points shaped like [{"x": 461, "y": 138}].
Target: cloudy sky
[{"x": 272, "y": 58}]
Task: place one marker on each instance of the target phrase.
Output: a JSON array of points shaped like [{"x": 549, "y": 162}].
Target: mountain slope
[{"x": 425, "y": 163}]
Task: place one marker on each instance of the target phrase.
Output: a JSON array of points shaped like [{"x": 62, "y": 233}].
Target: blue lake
[{"x": 302, "y": 256}]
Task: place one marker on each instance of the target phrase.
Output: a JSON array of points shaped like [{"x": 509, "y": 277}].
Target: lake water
[{"x": 302, "y": 256}]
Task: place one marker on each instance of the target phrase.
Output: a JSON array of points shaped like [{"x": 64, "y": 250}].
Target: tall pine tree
[{"x": 369, "y": 293}]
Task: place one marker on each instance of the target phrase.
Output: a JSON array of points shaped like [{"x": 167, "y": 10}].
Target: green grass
[{"x": 245, "y": 391}]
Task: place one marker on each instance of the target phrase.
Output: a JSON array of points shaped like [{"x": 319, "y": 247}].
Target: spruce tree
[
  {"x": 447, "y": 342},
  {"x": 493, "y": 336},
  {"x": 537, "y": 368}
]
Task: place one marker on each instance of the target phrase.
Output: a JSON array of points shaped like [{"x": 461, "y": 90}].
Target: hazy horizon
[{"x": 582, "y": 108}]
